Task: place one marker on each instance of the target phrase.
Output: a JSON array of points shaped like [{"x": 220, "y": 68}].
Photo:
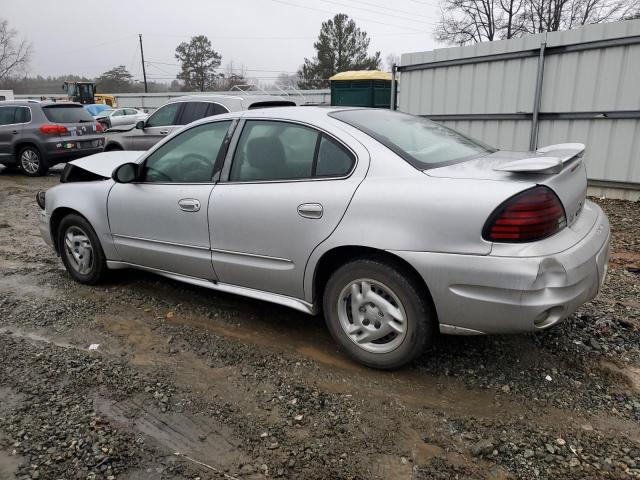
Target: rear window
[
  {"x": 67, "y": 114},
  {"x": 421, "y": 142}
]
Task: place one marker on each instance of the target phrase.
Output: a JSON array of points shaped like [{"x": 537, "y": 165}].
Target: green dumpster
[{"x": 363, "y": 88}]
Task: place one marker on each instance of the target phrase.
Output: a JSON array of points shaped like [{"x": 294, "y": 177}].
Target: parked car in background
[
  {"x": 95, "y": 109},
  {"x": 37, "y": 135},
  {"x": 394, "y": 226},
  {"x": 184, "y": 110},
  {"x": 120, "y": 117}
]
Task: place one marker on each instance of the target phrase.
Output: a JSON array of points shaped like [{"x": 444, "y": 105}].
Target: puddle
[
  {"x": 200, "y": 438},
  {"x": 9, "y": 464},
  {"x": 35, "y": 337},
  {"x": 629, "y": 372},
  {"x": 26, "y": 285}
]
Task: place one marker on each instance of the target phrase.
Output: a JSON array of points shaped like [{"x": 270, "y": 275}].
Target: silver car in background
[
  {"x": 180, "y": 111},
  {"x": 120, "y": 117},
  {"x": 394, "y": 226}
]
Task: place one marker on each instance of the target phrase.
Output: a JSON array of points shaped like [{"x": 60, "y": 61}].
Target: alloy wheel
[
  {"x": 372, "y": 316},
  {"x": 30, "y": 161}
]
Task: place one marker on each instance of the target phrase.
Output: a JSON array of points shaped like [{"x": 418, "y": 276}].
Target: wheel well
[
  {"x": 56, "y": 217},
  {"x": 20, "y": 145},
  {"x": 336, "y": 257}
]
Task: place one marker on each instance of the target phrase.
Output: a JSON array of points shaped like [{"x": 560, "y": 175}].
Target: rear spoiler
[{"x": 549, "y": 159}]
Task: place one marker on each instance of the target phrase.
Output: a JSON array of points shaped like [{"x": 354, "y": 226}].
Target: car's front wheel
[
  {"x": 80, "y": 250},
  {"x": 31, "y": 162},
  {"x": 378, "y": 313}
]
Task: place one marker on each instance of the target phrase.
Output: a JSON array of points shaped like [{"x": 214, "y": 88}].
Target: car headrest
[{"x": 265, "y": 153}]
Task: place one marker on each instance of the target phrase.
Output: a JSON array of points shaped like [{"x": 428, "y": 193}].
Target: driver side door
[
  {"x": 158, "y": 126},
  {"x": 160, "y": 220}
]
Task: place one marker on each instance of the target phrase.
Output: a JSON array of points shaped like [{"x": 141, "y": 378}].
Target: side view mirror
[
  {"x": 125, "y": 173},
  {"x": 140, "y": 125}
]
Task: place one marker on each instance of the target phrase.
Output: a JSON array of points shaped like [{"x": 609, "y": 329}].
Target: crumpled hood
[{"x": 105, "y": 163}]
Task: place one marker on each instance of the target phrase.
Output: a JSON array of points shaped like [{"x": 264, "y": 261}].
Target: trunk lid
[{"x": 559, "y": 167}]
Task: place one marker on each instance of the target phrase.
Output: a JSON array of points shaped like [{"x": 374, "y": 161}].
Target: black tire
[
  {"x": 113, "y": 147},
  {"x": 31, "y": 161},
  {"x": 420, "y": 320},
  {"x": 76, "y": 224}
]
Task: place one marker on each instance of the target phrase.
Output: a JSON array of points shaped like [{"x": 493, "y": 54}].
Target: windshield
[
  {"x": 67, "y": 114},
  {"x": 421, "y": 142}
]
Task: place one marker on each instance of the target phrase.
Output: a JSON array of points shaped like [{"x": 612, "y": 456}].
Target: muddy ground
[{"x": 190, "y": 383}]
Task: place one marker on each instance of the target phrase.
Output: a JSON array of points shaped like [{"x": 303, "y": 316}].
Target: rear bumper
[
  {"x": 509, "y": 294},
  {"x": 60, "y": 151}
]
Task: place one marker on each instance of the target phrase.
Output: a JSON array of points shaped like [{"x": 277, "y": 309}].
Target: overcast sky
[{"x": 88, "y": 37}]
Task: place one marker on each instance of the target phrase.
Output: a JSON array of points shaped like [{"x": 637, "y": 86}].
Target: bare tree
[
  {"x": 392, "y": 59},
  {"x": 464, "y": 22},
  {"x": 232, "y": 76},
  {"x": 14, "y": 53}
]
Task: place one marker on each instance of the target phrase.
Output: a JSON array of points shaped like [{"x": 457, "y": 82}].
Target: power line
[
  {"x": 357, "y": 18},
  {"x": 390, "y": 9},
  {"x": 376, "y": 13},
  {"x": 305, "y": 37}
]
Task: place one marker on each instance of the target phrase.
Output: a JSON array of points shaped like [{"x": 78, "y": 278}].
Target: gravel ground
[{"x": 190, "y": 383}]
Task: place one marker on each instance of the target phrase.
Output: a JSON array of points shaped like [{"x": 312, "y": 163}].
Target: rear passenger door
[
  {"x": 284, "y": 192},
  {"x": 159, "y": 125},
  {"x": 9, "y": 131}
]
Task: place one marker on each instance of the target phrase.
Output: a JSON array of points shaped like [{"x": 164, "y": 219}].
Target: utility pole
[{"x": 144, "y": 71}]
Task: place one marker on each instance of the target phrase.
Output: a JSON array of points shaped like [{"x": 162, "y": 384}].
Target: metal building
[{"x": 575, "y": 86}]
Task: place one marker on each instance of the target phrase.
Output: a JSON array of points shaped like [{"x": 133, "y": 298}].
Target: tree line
[{"x": 341, "y": 45}]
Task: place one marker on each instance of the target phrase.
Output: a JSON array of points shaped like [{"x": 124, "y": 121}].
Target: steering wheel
[
  {"x": 193, "y": 161},
  {"x": 154, "y": 175},
  {"x": 196, "y": 167}
]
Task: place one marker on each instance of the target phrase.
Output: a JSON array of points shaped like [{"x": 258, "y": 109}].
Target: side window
[
  {"x": 187, "y": 158},
  {"x": 333, "y": 159},
  {"x": 7, "y": 115},
  {"x": 130, "y": 111},
  {"x": 193, "y": 111},
  {"x": 23, "y": 115},
  {"x": 164, "y": 116},
  {"x": 118, "y": 113},
  {"x": 215, "y": 109},
  {"x": 269, "y": 150}
]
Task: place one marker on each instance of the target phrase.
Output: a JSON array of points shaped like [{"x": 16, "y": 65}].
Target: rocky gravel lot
[{"x": 187, "y": 383}]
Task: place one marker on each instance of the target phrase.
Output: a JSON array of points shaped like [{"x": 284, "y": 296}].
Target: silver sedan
[
  {"x": 120, "y": 117},
  {"x": 393, "y": 226}
]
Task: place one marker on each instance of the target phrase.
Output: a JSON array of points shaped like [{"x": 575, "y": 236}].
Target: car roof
[
  {"x": 233, "y": 102},
  {"x": 310, "y": 114}
]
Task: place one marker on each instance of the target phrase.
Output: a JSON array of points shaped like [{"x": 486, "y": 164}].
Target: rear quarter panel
[{"x": 400, "y": 208}]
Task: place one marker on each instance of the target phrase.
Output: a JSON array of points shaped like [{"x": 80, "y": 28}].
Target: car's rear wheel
[
  {"x": 32, "y": 162},
  {"x": 378, "y": 313},
  {"x": 80, "y": 250}
]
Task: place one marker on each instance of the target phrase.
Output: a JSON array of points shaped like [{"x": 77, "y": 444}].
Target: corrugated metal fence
[{"x": 582, "y": 85}]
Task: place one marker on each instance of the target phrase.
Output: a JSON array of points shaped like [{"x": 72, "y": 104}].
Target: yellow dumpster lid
[{"x": 362, "y": 75}]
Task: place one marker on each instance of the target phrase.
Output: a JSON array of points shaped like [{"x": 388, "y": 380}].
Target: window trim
[
  {"x": 226, "y": 171},
  {"x": 217, "y": 167},
  {"x": 14, "y": 115},
  {"x": 177, "y": 115}
]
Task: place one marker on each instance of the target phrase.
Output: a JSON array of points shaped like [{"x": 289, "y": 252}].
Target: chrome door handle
[
  {"x": 310, "y": 210},
  {"x": 164, "y": 132},
  {"x": 189, "y": 205}
]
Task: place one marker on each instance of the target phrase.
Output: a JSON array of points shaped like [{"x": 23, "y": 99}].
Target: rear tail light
[
  {"x": 531, "y": 215},
  {"x": 99, "y": 127},
  {"x": 54, "y": 129}
]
